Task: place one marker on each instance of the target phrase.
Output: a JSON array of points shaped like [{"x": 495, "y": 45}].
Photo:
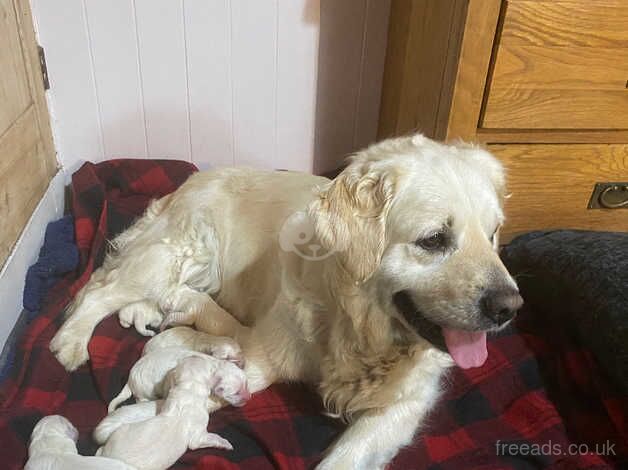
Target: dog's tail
[{"x": 124, "y": 394}]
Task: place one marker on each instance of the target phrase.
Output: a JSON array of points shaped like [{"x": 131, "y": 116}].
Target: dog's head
[
  {"x": 53, "y": 434},
  {"x": 231, "y": 384},
  {"x": 417, "y": 222}
]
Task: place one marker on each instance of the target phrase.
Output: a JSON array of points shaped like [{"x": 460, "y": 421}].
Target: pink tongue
[{"x": 468, "y": 348}]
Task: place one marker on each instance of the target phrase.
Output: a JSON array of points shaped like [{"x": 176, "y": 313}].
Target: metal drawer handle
[
  {"x": 609, "y": 196},
  {"x": 608, "y": 200}
]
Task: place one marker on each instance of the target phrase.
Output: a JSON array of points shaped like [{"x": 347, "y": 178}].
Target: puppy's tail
[{"x": 124, "y": 394}]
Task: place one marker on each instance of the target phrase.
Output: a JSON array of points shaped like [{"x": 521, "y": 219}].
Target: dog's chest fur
[{"x": 359, "y": 381}]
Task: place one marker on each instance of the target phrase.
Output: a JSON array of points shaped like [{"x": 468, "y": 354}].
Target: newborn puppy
[
  {"x": 157, "y": 443},
  {"x": 53, "y": 447},
  {"x": 126, "y": 415},
  {"x": 147, "y": 374},
  {"x": 188, "y": 338},
  {"x": 222, "y": 378},
  {"x": 141, "y": 314}
]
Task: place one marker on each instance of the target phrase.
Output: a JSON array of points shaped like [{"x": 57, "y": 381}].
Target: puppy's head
[
  {"x": 416, "y": 223},
  {"x": 53, "y": 433},
  {"x": 231, "y": 384}
]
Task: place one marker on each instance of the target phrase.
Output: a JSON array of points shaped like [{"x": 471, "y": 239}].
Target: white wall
[
  {"x": 350, "y": 71},
  {"x": 216, "y": 82}
]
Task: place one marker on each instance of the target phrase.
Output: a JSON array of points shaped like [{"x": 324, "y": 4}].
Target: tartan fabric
[{"x": 537, "y": 387}]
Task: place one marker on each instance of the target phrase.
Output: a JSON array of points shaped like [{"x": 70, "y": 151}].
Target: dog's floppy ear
[
  {"x": 493, "y": 168},
  {"x": 350, "y": 216}
]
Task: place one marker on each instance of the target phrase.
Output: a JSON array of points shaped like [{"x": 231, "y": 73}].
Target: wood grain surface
[{"x": 550, "y": 185}]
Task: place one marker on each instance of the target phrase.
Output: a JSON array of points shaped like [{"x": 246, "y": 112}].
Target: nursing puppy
[
  {"x": 157, "y": 443},
  {"x": 367, "y": 287},
  {"x": 187, "y": 338},
  {"x": 147, "y": 376},
  {"x": 53, "y": 447},
  {"x": 141, "y": 315}
]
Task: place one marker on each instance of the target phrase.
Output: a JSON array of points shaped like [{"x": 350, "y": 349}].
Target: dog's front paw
[
  {"x": 227, "y": 349},
  {"x": 70, "y": 349}
]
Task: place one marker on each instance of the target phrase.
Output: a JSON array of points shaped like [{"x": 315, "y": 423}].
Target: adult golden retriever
[{"x": 366, "y": 286}]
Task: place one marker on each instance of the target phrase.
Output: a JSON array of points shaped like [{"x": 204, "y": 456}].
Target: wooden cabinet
[
  {"x": 27, "y": 156},
  {"x": 543, "y": 84}
]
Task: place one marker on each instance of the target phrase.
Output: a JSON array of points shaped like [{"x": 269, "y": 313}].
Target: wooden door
[{"x": 27, "y": 156}]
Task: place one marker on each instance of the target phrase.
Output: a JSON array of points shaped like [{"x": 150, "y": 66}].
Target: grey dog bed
[{"x": 581, "y": 278}]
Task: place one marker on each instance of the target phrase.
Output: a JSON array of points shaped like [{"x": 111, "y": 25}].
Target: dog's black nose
[{"x": 501, "y": 305}]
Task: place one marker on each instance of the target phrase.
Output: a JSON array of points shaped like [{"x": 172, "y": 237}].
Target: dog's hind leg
[
  {"x": 190, "y": 307},
  {"x": 125, "y": 415},
  {"x": 124, "y": 394},
  {"x": 208, "y": 317},
  {"x": 97, "y": 300}
]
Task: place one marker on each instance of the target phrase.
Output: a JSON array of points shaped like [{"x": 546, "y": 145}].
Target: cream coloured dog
[
  {"x": 158, "y": 442},
  {"x": 53, "y": 447},
  {"x": 368, "y": 286},
  {"x": 147, "y": 378}
]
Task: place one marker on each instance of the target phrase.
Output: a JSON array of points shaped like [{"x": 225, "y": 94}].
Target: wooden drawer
[
  {"x": 550, "y": 186},
  {"x": 560, "y": 65}
]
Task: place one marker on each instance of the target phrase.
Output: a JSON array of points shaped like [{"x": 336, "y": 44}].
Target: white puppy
[
  {"x": 188, "y": 338},
  {"x": 126, "y": 415},
  {"x": 53, "y": 447},
  {"x": 146, "y": 378},
  {"x": 141, "y": 314},
  {"x": 157, "y": 443}
]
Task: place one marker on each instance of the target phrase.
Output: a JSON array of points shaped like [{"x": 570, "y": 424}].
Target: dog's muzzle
[{"x": 500, "y": 305}]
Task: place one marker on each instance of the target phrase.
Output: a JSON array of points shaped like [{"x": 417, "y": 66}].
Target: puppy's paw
[
  {"x": 334, "y": 462},
  {"x": 155, "y": 319},
  {"x": 144, "y": 331},
  {"x": 124, "y": 322},
  {"x": 70, "y": 349},
  {"x": 344, "y": 459},
  {"x": 211, "y": 440},
  {"x": 222, "y": 443}
]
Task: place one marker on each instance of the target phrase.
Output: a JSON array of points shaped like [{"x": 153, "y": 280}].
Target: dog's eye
[{"x": 436, "y": 241}]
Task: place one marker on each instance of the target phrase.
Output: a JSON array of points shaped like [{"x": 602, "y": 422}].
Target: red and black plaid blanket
[{"x": 539, "y": 401}]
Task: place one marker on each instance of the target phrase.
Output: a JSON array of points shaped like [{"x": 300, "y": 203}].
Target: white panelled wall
[{"x": 292, "y": 84}]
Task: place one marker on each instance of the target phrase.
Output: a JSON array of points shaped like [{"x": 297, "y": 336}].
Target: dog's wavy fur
[{"x": 210, "y": 250}]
